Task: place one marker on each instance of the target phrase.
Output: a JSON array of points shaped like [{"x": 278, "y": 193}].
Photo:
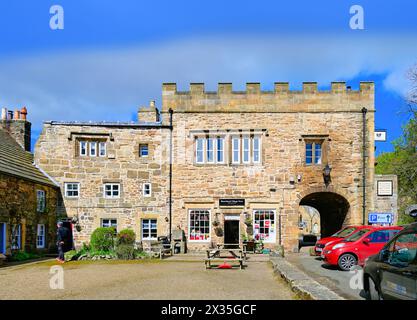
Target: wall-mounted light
[
  {"x": 292, "y": 181},
  {"x": 326, "y": 175},
  {"x": 299, "y": 178}
]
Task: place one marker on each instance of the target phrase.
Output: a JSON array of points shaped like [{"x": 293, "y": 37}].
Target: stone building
[
  {"x": 242, "y": 164},
  {"x": 28, "y": 197}
]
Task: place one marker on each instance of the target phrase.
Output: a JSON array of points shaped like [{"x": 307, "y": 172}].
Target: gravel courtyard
[{"x": 143, "y": 280}]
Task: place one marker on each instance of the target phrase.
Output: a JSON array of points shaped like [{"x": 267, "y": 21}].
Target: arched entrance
[{"x": 332, "y": 207}]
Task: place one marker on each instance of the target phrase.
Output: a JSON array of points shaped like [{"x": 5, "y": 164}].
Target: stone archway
[{"x": 333, "y": 209}]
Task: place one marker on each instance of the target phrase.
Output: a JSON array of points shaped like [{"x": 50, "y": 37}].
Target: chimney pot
[
  {"x": 23, "y": 113},
  {"x": 16, "y": 115},
  {"x": 152, "y": 103}
]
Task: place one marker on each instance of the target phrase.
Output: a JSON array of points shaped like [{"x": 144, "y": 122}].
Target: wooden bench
[{"x": 215, "y": 256}]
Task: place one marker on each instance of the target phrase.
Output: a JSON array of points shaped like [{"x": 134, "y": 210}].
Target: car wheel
[
  {"x": 373, "y": 293},
  {"x": 347, "y": 261}
]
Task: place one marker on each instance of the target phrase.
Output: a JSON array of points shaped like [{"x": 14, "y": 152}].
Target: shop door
[
  {"x": 2, "y": 238},
  {"x": 231, "y": 232}
]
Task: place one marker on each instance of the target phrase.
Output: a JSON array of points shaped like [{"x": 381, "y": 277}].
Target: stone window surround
[
  {"x": 274, "y": 212},
  {"x": 144, "y": 187},
  {"x": 112, "y": 190},
  {"x": 110, "y": 222},
  {"x": 315, "y": 139},
  {"x": 40, "y": 200},
  {"x": 227, "y": 147},
  {"x": 66, "y": 190},
  {"x": 40, "y": 236},
  {"x": 149, "y": 228},
  {"x": 88, "y": 143},
  {"x": 189, "y": 210}
]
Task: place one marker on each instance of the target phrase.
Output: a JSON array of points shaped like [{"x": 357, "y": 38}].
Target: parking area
[
  {"x": 339, "y": 281},
  {"x": 154, "y": 279}
]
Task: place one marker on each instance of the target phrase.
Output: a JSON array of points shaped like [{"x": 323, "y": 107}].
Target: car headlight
[{"x": 339, "y": 245}]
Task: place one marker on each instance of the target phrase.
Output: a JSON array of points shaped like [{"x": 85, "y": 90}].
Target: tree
[{"x": 403, "y": 160}]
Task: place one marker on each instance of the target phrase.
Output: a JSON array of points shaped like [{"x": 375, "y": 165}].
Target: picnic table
[{"x": 231, "y": 256}]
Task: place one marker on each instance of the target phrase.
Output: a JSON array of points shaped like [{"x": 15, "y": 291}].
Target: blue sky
[{"x": 113, "y": 56}]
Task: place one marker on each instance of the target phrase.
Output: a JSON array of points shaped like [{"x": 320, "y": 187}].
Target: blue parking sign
[{"x": 380, "y": 217}]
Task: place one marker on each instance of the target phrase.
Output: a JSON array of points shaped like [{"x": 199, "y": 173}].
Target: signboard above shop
[
  {"x": 231, "y": 202},
  {"x": 381, "y": 217}
]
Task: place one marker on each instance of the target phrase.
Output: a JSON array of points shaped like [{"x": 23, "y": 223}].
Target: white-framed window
[
  {"x": 143, "y": 150},
  {"x": 219, "y": 150},
  {"x": 149, "y": 229},
  {"x": 40, "y": 201},
  {"x": 235, "y": 150},
  {"x": 264, "y": 225},
  {"x": 102, "y": 149},
  {"x": 83, "y": 148},
  {"x": 246, "y": 150},
  {"x": 199, "y": 150},
  {"x": 40, "y": 236},
  {"x": 112, "y": 190},
  {"x": 199, "y": 225},
  {"x": 210, "y": 150},
  {"x": 147, "y": 189},
  {"x": 93, "y": 149},
  {"x": 16, "y": 237},
  {"x": 109, "y": 223},
  {"x": 256, "y": 149},
  {"x": 72, "y": 189}
]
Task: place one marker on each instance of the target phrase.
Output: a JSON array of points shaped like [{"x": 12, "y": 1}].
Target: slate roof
[{"x": 15, "y": 161}]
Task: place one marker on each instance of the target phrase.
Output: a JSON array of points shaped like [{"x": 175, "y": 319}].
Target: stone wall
[
  {"x": 20, "y": 130},
  {"x": 18, "y": 202},
  {"x": 57, "y": 153},
  {"x": 387, "y": 203}
]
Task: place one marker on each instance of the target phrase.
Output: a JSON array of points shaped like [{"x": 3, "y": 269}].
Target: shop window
[
  {"x": 72, "y": 189},
  {"x": 199, "y": 225},
  {"x": 264, "y": 225},
  {"x": 41, "y": 201},
  {"x": 112, "y": 190},
  {"x": 149, "y": 229},
  {"x": 40, "y": 236}
]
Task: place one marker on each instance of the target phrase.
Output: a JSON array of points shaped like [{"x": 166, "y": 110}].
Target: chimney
[
  {"x": 16, "y": 124},
  {"x": 148, "y": 114}
]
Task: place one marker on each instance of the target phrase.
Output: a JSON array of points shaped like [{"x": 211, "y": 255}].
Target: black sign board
[{"x": 232, "y": 202}]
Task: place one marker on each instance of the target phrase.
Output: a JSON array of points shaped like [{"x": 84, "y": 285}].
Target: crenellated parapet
[{"x": 310, "y": 99}]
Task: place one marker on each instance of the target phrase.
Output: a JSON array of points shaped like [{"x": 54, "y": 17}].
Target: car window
[
  {"x": 357, "y": 235},
  {"x": 380, "y": 236},
  {"x": 404, "y": 250},
  {"x": 345, "y": 232}
]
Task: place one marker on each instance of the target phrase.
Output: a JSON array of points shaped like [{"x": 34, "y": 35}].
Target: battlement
[
  {"x": 279, "y": 88},
  {"x": 339, "y": 98}
]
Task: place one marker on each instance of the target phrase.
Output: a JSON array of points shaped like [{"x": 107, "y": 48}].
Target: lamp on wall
[{"x": 326, "y": 175}]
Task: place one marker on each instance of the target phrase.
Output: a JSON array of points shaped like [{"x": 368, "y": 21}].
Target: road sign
[{"x": 380, "y": 217}]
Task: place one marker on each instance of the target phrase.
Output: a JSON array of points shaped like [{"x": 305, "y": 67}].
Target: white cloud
[{"x": 109, "y": 84}]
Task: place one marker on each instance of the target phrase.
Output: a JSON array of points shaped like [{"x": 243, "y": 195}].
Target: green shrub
[
  {"x": 102, "y": 239},
  {"x": 126, "y": 236},
  {"x": 23, "y": 256},
  {"x": 71, "y": 255},
  {"x": 125, "y": 252}
]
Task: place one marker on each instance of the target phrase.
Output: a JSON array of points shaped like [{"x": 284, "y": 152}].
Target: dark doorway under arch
[{"x": 332, "y": 207}]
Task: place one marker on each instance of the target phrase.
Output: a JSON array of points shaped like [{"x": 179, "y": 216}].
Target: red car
[
  {"x": 354, "y": 249},
  {"x": 337, "y": 237}
]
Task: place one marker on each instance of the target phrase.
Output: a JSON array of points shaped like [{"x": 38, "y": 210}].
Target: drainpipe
[
  {"x": 364, "y": 110},
  {"x": 170, "y": 173}
]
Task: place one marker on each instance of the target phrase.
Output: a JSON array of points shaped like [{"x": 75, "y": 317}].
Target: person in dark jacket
[{"x": 62, "y": 239}]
